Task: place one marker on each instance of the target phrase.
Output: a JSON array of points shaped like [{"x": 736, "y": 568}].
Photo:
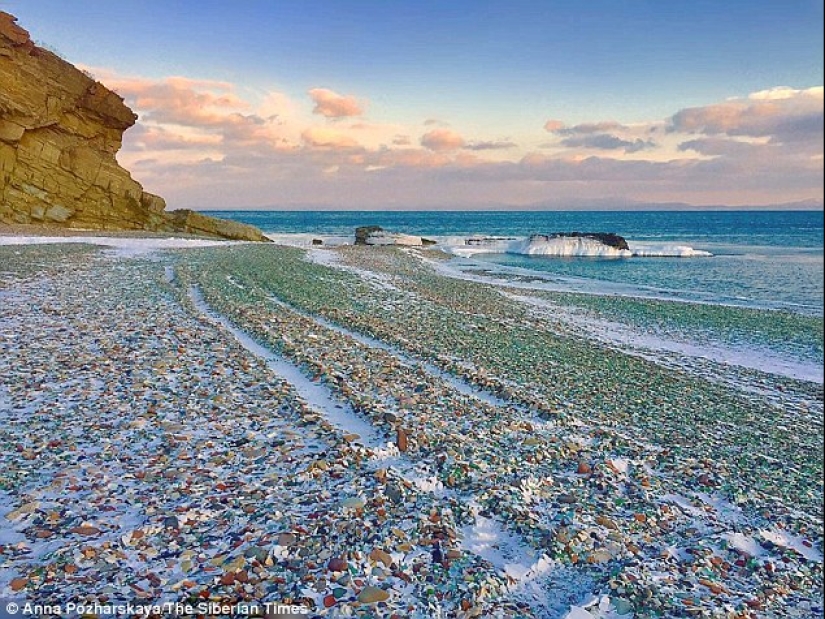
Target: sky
[{"x": 457, "y": 105}]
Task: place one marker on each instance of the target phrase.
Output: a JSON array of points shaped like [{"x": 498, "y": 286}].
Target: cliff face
[{"x": 59, "y": 133}]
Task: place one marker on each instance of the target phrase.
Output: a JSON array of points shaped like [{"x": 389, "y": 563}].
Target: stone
[
  {"x": 337, "y": 564},
  {"x": 85, "y": 530},
  {"x": 286, "y": 539},
  {"x": 606, "y": 522},
  {"x": 394, "y": 493},
  {"x": 171, "y": 522},
  {"x": 227, "y": 579},
  {"x": 371, "y": 595},
  {"x": 622, "y": 606},
  {"x": 401, "y": 440},
  {"x": 193, "y": 222},
  {"x": 11, "y": 131},
  {"x": 17, "y": 584},
  {"x": 376, "y": 235},
  {"x": 379, "y": 555},
  {"x": 606, "y": 238}
]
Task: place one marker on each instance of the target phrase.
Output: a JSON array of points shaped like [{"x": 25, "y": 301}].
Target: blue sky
[{"x": 460, "y": 104}]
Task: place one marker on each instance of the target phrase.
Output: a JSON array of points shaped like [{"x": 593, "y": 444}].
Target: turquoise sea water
[{"x": 771, "y": 259}]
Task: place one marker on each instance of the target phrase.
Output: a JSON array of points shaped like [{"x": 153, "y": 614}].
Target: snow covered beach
[{"x": 354, "y": 430}]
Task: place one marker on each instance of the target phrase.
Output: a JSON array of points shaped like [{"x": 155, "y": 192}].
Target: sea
[{"x": 761, "y": 259}]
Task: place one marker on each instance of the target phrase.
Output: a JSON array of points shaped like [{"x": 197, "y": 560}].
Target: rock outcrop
[
  {"x": 606, "y": 238},
  {"x": 376, "y": 235},
  {"x": 59, "y": 133}
]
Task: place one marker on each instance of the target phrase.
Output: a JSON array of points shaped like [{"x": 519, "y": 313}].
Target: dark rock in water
[
  {"x": 317, "y": 242},
  {"x": 363, "y": 233},
  {"x": 375, "y": 235},
  {"x": 607, "y": 238},
  {"x": 488, "y": 240},
  {"x": 427, "y": 242}
]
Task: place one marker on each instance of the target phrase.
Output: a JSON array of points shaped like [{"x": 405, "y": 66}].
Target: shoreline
[
  {"x": 34, "y": 230},
  {"x": 132, "y": 367}
]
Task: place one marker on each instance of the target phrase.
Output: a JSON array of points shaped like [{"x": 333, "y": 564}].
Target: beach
[{"x": 374, "y": 432}]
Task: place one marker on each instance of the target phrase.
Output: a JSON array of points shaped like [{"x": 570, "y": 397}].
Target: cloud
[
  {"x": 605, "y": 141},
  {"x": 209, "y": 143},
  {"x": 716, "y": 147},
  {"x": 332, "y": 105},
  {"x": 785, "y": 92},
  {"x": 602, "y": 136},
  {"x": 553, "y": 125},
  {"x": 440, "y": 140},
  {"x": 781, "y": 114},
  {"x": 409, "y": 158},
  {"x": 488, "y": 145},
  {"x": 324, "y": 137},
  {"x": 157, "y": 137},
  {"x": 590, "y": 128},
  {"x": 181, "y": 100}
]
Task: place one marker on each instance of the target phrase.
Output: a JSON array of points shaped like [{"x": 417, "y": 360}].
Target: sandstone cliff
[{"x": 59, "y": 133}]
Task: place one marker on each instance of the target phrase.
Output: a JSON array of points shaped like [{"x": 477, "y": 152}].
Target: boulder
[
  {"x": 375, "y": 235},
  {"x": 606, "y": 238},
  {"x": 193, "y": 222}
]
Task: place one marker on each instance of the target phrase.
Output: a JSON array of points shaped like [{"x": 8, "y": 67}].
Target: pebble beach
[{"x": 363, "y": 432}]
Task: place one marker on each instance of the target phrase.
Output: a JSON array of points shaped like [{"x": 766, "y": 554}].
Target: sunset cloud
[
  {"x": 442, "y": 139},
  {"x": 553, "y": 125},
  {"x": 491, "y": 145},
  {"x": 590, "y": 128},
  {"x": 204, "y": 143},
  {"x": 716, "y": 147},
  {"x": 332, "y": 105},
  {"x": 606, "y": 141},
  {"x": 781, "y": 114},
  {"x": 180, "y": 100},
  {"x": 324, "y": 137}
]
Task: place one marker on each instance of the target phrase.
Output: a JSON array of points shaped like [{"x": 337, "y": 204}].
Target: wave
[{"x": 566, "y": 246}]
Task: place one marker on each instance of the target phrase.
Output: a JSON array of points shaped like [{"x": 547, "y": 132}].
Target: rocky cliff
[{"x": 59, "y": 133}]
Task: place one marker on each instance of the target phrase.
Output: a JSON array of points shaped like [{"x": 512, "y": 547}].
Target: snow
[{"x": 123, "y": 246}]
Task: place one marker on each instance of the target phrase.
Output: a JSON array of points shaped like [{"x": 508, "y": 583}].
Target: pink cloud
[
  {"x": 332, "y": 105},
  {"x": 412, "y": 158},
  {"x": 441, "y": 140},
  {"x": 201, "y": 143},
  {"x": 180, "y": 100},
  {"x": 324, "y": 137},
  {"x": 553, "y": 125},
  {"x": 145, "y": 137},
  {"x": 784, "y": 115}
]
